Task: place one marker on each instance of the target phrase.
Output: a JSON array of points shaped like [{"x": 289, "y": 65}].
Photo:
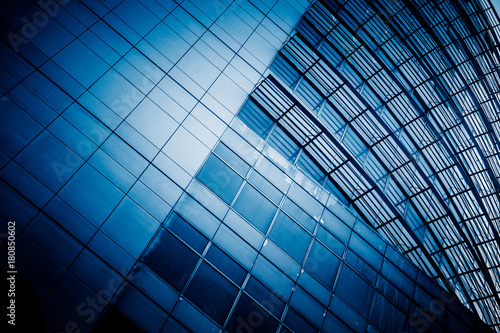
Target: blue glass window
[
  {"x": 255, "y": 118},
  {"x": 255, "y": 208},
  {"x": 330, "y": 241},
  {"x": 232, "y": 159},
  {"x": 297, "y": 323},
  {"x": 212, "y": 293},
  {"x": 265, "y": 297},
  {"x": 354, "y": 290},
  {"x": 286, "y": 72},
  {"x": 386, "y": 316},
  {"x": 130, "y": 226},
  {"x": 322, "y": 263},
  {"x": 91, "y": 194},
  {"x": 306, "y": 164},
  {"x": 171, "y": 259},
  {"x": 248, "y": 316},
  {"x": 266, "y": 187},
  {"x": 299, "y": 215},
  {"x": 226, "y": 265},
  {"x": 81, "y": 63},
  {"x": 16, "y": 128},
  {"x": 282, "y": 142},
  {"x": 221, "y": 179},
  {"x": 186, "y": 232},
  {"x": 49, "y": 160},
  {"x": 290, "y": 237}
]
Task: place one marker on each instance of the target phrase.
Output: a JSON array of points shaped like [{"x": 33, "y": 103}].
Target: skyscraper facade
[{"x": 252, "y": 165}]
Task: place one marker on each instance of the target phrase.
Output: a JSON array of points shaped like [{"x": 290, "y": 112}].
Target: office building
[{"x": 253, "y": 165}]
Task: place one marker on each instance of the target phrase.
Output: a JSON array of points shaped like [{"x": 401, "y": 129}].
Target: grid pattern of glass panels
[
  {"x": 108, "y": 109},
  {"x": 410, "y": 90},
  {"x": 142, "y": 203}
]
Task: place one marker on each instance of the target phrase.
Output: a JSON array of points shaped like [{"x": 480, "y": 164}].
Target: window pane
[
  {"x": 262, "y": 184},
  {"x": 255, "y": 208},
  {"x": 354, "y": 290},
  {"x": 290, "y": 237},
  {"x": 218, "y": 177},
  {"x": 248, "y": 316},
  {"x": 170, "y": 259},
  {"x": 330, "y": 241},
  {"x": 306, "y": 164},
  {"x": 185, "y": 231},
  {"x": 226, "y": 265},
  {"x": 232, "y": 159},
  {"x": 280, "y": 141},
  {"x": 265, "y": 297},
  {"x": 297, "y": 323},
  {"x": 386, "y": 316},
  {"x": 255, "y": 118},
  {"x": 299, "y": 215},
  {"x": 212, "y": 293},
  {"x": 322, "y": 264}
]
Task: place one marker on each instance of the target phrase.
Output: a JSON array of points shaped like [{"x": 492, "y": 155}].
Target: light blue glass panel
[
  {"x": 255, "y": 208},
  {"x": 299, "y": 215},
  {"x": 263, "y": 185},
  {"x": 152, "y": 122},
  {"x": 218, "y": 177},
  {"x": 232, "y": 159},
  {"x": 290, "y": 237}
]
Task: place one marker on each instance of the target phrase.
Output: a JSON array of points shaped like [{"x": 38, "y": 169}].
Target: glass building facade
[{"x": 252, "y": 165}]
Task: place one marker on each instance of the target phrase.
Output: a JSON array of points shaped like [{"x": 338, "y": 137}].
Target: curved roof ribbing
[{"x": 398, "y": 104}]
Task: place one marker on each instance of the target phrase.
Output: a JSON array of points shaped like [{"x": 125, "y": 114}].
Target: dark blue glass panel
[
  {"x": 16, "y": 128},
  {"x": 81, "y": 63},
  {"x": 334, "y": 325},
  {"x": 335, "y": 191},
  {"x": 255, "y": 208},
  {"x": 322, "y": 264},
  {"x": 297, "y": 323},
  {"x": 330, "y": 241},
  {"x": 354, "y": 290},
  {"x": 255, "y": 118},
  {"x": 393, "y": 293},
  {"x": 186, "y": 232},
  {"x": 386, "y": 316},
  {"x": 218, "y": 177},
  {"x": 361, "y": 267},
  {"x": 171, "y": 259},
  {"x": 265, "y": 297},
  {"x": 226, "y": 265},
  {"x": 212, "y": 293},
  {"x": 306, "y": 164},
  {"x": 290, "y": 237},
  {"x": 91, "y": 194},
  {"x": 285, "y": 72},
  {"x": 49, "y": 160},
  {"x": 130, "y": 226},
  {"x": 248, "y": 316}
]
